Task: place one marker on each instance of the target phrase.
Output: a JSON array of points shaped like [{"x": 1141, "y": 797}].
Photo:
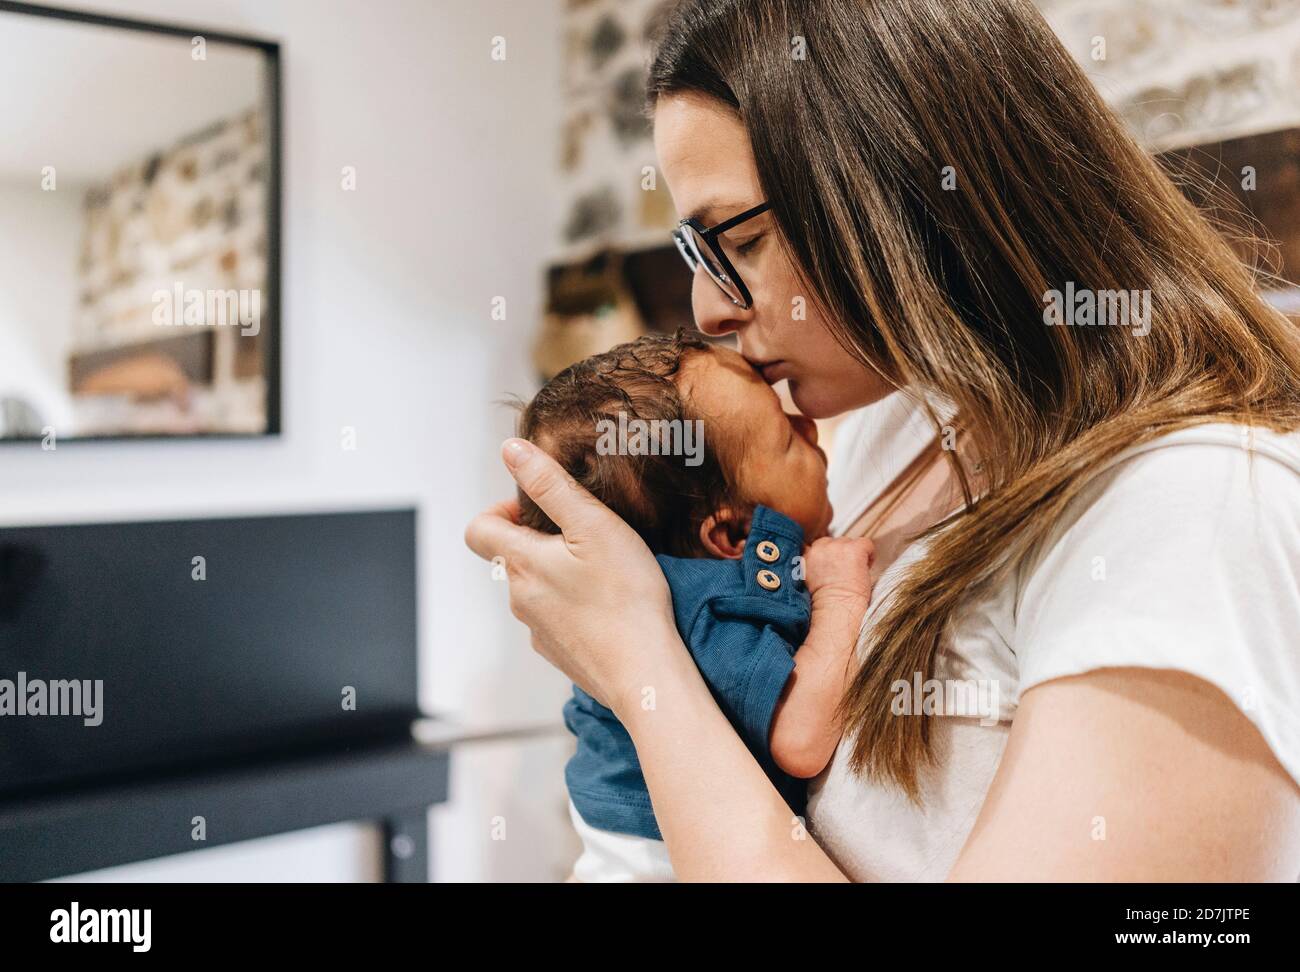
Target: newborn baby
[{"x": 686, "y": 442}]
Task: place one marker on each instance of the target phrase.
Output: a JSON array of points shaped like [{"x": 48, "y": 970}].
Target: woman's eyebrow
[{"x": 714, "y": 211}]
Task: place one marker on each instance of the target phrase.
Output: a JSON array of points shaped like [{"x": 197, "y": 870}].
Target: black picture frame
[{"x": 274, "y": 95}]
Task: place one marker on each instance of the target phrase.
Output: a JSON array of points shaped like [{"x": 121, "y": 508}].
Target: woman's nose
[{"x": 715, "y": 314}]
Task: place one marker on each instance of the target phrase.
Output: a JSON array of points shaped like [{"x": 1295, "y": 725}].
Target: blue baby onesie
[{"x": 742, "y": 621}]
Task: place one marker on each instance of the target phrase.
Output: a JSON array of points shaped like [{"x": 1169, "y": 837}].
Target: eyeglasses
[{"x": 700, "y": 247}]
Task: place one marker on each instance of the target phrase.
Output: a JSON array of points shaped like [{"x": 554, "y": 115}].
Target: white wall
[
  {"x": 387, "y": 300},
  {"x": 40, "y": 240}
]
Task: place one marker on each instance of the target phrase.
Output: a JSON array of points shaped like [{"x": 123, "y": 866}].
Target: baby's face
[{"x": 776, "y": 456}]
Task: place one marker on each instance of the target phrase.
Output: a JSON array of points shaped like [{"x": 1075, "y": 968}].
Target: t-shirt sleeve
[
  {"x": 746, "y": 666},
  {"x": 1185, "y": 557}
]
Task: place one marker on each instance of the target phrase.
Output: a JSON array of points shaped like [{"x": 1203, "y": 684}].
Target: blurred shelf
[{"x": 76, "y": 830}]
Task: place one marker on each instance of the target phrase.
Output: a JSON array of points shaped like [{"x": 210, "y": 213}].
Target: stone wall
[
  {"x": 1186, "y": 72},
  {"x": 1181, "y": 72}
]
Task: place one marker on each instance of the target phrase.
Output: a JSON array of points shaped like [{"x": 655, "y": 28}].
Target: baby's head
[{"x": 681, "y": 438}]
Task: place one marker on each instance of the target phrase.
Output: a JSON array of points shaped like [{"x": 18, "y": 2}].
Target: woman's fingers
[
  {"x": 569, "y": 589},
  {"x": 496, "y": 531},
  {"x": 507, "y": 509},
  {"x": 576, "y": 512}
]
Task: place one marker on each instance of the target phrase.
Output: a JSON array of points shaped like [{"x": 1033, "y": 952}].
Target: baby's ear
[{"x": 723, "y": 533}]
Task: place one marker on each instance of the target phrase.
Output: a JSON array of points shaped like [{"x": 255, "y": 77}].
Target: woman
[{"x": 1115, "y": 551}]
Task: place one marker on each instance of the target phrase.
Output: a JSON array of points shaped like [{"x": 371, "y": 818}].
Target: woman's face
[{"x": 707, "y": 163}]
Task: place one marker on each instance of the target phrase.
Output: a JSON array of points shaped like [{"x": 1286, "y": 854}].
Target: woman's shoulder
[
  {"x": 1191, "y": 482},
  {"x": 1221, "y": 447},
  {"x": 1182, "y": 554},
  {"x": 1200, "y": 498}
]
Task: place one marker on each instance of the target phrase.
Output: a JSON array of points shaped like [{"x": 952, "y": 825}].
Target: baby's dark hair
[{"x": 660, "y": 496}]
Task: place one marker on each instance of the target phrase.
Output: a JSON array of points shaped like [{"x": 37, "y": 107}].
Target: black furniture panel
[
  {"x": 393, "y": 783},
  {"x": 252, "y": 660}
]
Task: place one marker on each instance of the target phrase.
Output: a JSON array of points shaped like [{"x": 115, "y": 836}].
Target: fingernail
[{"x": 515, "y": 451}]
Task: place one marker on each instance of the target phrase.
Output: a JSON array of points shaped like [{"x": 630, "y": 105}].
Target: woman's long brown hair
[{"x": 936, "y": 168}]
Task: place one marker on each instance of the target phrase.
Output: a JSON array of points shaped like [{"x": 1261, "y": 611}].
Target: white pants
[{"x": 610, "y": 857}]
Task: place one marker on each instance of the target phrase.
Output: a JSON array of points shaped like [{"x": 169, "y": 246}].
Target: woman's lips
[{"x": 774, "y": 371}]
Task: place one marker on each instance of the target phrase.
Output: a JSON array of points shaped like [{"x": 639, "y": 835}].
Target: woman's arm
[
  {"x": 720, "y": 815},
  {"x": 1134, "y": 774}
]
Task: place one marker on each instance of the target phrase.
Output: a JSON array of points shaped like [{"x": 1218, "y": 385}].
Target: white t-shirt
[{"x": 1182, "y": 554}]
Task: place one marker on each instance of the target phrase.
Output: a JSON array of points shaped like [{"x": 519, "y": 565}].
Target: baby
[{"x": 686, "y": 442}]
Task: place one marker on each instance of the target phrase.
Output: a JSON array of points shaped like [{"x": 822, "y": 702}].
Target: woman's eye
[{"x": 748, "y": 244}]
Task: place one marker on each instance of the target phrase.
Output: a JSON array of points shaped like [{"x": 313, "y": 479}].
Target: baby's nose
[{"x": 805, "y": 426}]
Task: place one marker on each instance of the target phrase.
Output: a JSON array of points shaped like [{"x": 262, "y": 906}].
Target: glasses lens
[
  {"x": 685, "y": 250},
  {"x": 705, "y": 257}
]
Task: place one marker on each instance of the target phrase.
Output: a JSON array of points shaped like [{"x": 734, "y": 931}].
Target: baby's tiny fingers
[{"x": 869, "y": 547}]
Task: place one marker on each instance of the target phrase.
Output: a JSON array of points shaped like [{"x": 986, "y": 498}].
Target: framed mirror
[{"x": 139, "y": 229}]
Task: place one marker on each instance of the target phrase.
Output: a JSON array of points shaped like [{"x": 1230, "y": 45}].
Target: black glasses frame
[{"x": 686, "y": 246}]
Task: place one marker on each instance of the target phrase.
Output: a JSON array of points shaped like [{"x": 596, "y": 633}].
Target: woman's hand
[{"x": 594, "y": 597}]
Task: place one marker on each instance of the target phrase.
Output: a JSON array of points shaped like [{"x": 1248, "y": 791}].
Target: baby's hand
[{"x": 839, "y": 567}]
